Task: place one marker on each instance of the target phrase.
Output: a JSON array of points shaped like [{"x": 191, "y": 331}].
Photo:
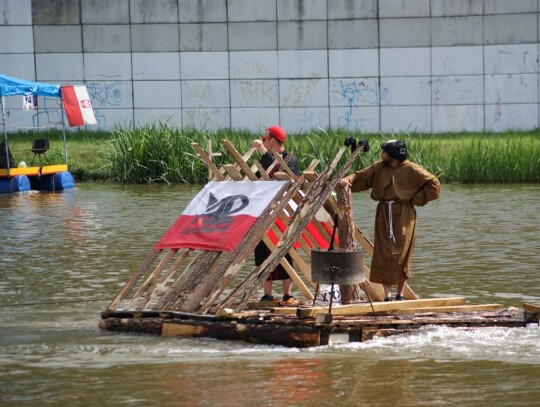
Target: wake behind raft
[{"x": 196, "y": 281}]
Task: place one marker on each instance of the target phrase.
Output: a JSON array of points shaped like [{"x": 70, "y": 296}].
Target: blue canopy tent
[{"x": 10, "y": 86}]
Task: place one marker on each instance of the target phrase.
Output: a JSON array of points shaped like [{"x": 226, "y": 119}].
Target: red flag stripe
[{"x": 71, "y": 104}]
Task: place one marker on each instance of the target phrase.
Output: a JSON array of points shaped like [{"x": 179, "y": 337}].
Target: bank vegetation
[{"x": 159, "y": 154}]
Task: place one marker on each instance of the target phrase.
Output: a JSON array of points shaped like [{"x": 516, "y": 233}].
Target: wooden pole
[{"x": 346, "y": 236}]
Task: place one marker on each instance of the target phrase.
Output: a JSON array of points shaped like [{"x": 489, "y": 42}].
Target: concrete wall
[{"x": 371, "y": 65}]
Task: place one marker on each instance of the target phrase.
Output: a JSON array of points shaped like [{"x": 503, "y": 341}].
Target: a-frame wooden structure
[{"x": 203, "y": 282}]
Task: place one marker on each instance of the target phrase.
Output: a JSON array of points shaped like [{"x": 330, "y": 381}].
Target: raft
[
  {"x": 284, "y": 327},
  {"x": 42, "y": 178},
  {"x": 195, "y": 290}
]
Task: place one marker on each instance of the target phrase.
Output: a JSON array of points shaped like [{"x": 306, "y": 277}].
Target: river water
[{"x": 65, "y": 255}]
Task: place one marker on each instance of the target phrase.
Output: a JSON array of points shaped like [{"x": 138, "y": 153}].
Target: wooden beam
[
  {"x": 364, "y": 309},
  {"x": 442, "y": 309},
  {"x": 211, "y": 166}
]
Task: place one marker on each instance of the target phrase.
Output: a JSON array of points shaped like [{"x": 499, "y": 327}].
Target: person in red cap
[{"x": 273, "y": 141}]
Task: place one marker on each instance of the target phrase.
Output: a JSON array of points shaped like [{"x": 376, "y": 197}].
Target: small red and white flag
[
  {"x": 78, "y": 106},
  {"x": 220, "y": 215}
]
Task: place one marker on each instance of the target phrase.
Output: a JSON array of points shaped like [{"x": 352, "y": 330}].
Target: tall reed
[{"x": 158, "y": 153}]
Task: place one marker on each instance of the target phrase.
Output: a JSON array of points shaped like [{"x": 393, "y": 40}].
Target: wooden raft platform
[
  {"x": 284, "y": 326},
  {"x": 203, "y": 293}
]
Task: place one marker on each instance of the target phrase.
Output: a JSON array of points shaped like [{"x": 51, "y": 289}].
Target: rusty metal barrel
[{"x": 337, "y": 267}]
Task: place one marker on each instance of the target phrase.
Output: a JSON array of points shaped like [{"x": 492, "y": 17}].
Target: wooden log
[
  {"x": 346, "y": 236},
  {"x": 169, "y": 254},
  {"x": 162, "y": 281},
  {"x": 190, "y": 278},
  {"x": 532, "y": 312},
  {"x": 364, "y": 309},
  {"x": 133, "y": 280},
  {"x": 137, "y": 325},
  {"x": 294, "y": 336},
  {"x": 531, "y": 307}
]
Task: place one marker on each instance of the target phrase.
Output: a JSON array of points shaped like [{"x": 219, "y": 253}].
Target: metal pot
[{"x": 337, "y": 267}]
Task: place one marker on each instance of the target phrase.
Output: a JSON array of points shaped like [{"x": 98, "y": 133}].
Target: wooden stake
[{"x": 346, "y": 235}]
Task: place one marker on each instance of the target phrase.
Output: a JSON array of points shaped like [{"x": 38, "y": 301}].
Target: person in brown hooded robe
[{"x": 399, "y": 185}]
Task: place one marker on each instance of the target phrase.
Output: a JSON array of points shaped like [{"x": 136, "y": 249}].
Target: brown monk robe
[{"x": 399, "y": 185}]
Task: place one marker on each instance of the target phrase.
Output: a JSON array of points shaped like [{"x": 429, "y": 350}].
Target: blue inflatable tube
[
  {"x": 53, "y": 182},
  {"x": 17, "y": 183}
]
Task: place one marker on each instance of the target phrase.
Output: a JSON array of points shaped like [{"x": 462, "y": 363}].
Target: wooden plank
[
  {"x": 133, "y": 280},
  {"x": 311, "y": 167},
  {"x": 211, "y": 166},
  {"x": 240, "y": 160},
  {"x": 531, "y": 307},
  {"x": 262, "y": 171},
  {"x": 232, "y": 171},
  {"x": 284, "y": 165},
  {"x": 283, "y": 310},
  {"x": 363, "y": 309}
]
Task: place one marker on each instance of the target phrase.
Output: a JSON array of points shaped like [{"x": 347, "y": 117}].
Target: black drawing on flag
[{"x": 217, "y": 217}]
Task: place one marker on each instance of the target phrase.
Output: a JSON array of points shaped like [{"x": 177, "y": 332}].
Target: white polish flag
[
  {"x": 78, "y": 106},
  {"x": 220, "y": 215}
]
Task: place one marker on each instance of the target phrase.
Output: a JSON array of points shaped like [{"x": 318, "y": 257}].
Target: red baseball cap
[{"x": 278, "y": 133}]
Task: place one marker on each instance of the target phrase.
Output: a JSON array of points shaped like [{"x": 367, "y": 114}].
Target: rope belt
[{"x": 391, "y": 222}]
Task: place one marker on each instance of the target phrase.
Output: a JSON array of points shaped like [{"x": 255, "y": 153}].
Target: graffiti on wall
[
  {"x": 251, "y": 68},
  {"x": 259, "y": 91},
  {"x": 104, "y": 95},
  {"x": 300, "y": 95},
  {"x": 205, "y": 94},
  {"x": 356, "y": 93}
]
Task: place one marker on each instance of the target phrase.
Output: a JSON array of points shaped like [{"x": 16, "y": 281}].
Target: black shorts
[{"x": 261, "y": 254}]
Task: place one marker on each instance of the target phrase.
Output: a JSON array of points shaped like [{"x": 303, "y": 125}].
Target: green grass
[{"x": 158, "y": 154}]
